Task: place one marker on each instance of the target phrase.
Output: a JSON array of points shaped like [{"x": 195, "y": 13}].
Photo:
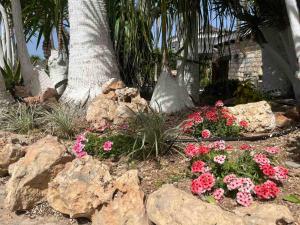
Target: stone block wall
[{"x": 246, "y": 61}]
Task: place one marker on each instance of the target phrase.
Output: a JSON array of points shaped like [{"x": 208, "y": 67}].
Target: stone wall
[{"x": 246, "y": 61}]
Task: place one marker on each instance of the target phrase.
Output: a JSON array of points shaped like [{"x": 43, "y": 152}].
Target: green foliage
[
  {"x": 292, "y": 198},
  {"x": 11, "y": 75},
  {"x": 151, "y": 135},
  {"x": 61, "y": 120},
  {"x": 247, "y": 92},
  {"x": 122, "y": 144},
  {"x": 20, "y": 118}
]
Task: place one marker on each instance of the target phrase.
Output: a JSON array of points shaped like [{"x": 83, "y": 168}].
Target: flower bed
[
  {"x": 243, "y": 174},
  {"x": 213, "y": 121}
]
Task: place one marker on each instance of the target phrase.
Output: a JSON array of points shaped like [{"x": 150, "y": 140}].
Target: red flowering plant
[
  {"x": 213, "y": 121},
  {"x": 245, "y": 173}
]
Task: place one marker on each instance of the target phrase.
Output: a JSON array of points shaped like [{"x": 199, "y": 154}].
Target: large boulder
[
  {"x": 80, "y": 188},
  {"x": 31, "y": 174},
  {"x": 9, "y": 154},
  {"x": 127, "y": 204},
  {"x": 258, "y": 114},
  {"x": 116, "y": 104},
  {"x": 171, "y": 206},
  {"x": 265, "y": 214}
]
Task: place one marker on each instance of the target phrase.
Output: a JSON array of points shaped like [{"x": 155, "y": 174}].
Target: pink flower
[
  {"x": 212, "y": 115},
  {"x": 261, "y": 159},
  {"x": 187, "y": 126},
  {"x": 244, "y": 198},
  {"x": 78, "y": 147},
  {"x": 107, "y": 146},
  {"x": 220, "y": 145},
  {"x": 228, "y": 178},
  {"x": 234, "y": 184},
  {"x": 272, "y": 150},
  {"x": 220, "y": 159},
  {"x": 219, "y": 103},
  {"x": 281, "y": 173},
  {"x": 218, "y": 194},
  {"x": 196, "y": 117},
  {"x": 247, "y": 185},
  {"x": 205, "y": 134},
  {"x": 198, "y": 167},
  {"x": 191, "y": 150},
  {"x": 203, "y": 183},
  {"x": 244, "y": 123}
]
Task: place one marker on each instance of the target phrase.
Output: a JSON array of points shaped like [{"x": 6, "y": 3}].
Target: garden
[{"x": 132, "y": 113}]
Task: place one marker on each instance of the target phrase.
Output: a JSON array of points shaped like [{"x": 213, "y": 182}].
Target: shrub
[
  {"x": 108, "y": 146},
  {"x": 19, "y": 118},
  {"x": 62, "y": 121},
  {"x": 242, "y": 174},
  {"x": 216, "y": 121}
]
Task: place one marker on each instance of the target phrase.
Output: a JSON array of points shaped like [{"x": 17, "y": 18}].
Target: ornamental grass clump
[
  {"x": 244, "y": 174},
  {"x": 214, "y": 121}
]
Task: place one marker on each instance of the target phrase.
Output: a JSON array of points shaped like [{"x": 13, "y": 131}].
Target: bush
[
  {"x": 213, "y": 121},
  {"x": 20, "y": 118},
  {"x": 242, "y": 174},
  {"x": 108, "y": 146},
  {"x": 62, "y": 121}
]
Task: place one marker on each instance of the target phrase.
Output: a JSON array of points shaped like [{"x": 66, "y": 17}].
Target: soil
[{"x": 173, "y": 169}]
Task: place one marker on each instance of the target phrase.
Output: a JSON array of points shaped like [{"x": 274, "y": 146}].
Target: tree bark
[
  {"x": 35, "y": 80},
  {"x": 92, "y": 61}
]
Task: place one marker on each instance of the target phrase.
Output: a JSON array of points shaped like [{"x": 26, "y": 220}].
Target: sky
[{"x": 31, "y": 45}]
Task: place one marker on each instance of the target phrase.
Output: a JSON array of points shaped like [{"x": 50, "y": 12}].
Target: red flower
[
  {"x": 211, "y": 115},
  {"x": 196, "y": 117},
  {"x": 245, "y": 147},
  {"x": 244, "y": 123},
  {"x": 187, "y": 126},
  {"x": 267, "y": 190},
  {"x": 229, "y": 122},
  {"x": 198, "y": 167},
  {"x": 203, "y": 183},
  {"x": 202, "y": 149},
  {"x": 191, "y": 150},
  {"x": 205, "y": 134},
  {"x": 281, "y": 173},
  {"x": 267, "y": 170}
]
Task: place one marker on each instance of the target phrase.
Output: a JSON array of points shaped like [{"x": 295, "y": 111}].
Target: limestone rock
[
  {"x": 80, "y": 188},
  {"x": 171, "y": 206},
  {"x": 127, "y": 204},
  {"x": 30, "y": 175},
  {"x": 112, "y": 85},
  {"x": 282, "y": 121},
  {"x": 258, "y": 114},
  {"x": 265, "y": 214},
  {"x": 116, "y": 104},
  {"x": 9, "y": 154},
  {"x": 48, "y": 95}
]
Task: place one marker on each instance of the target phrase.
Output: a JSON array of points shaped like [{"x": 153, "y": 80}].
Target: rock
[
  {"x": 21, "y": 91},
  {"x": 171, "y": 206},
  {"x": 265, "y": 214},
  {"x": 282, "y": 121},
  {"x": 31, "y": 174},
  {"x": 116, "y": 105},
  {"x": 292, "y": 164},
  {"x": 127, "y": 204},
  {"x": 49, "y": 94},
  {"x": 293, "y": 113},
  {"x": 112, "y": 85},
  {"x": 80, "y": 188},
  {"x": 9, "y": 154},
  {"x": 258, "y": 114}
]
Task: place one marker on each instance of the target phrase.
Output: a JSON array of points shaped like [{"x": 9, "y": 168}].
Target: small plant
[
  {"x": 20, "y": 118},
  {"x": 151, "y": 135},
  {"x": 213, "y": 121},
  {"x": 12, "y": 76},
  {"x": 62, "y": 121},
  {"x": 242, "y": 174}
]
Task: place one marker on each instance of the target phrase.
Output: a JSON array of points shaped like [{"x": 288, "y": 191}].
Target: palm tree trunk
[
  {"x": 5, "y": 96},
  {"x": 92, "y": 61},
  {"x": 35, "y": 81}
]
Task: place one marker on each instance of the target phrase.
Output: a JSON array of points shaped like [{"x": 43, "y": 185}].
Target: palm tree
[
  {"x": 35, "y": 80},
  {"x": 92, "y": 61},
  {"x": 5, "y": 96}
]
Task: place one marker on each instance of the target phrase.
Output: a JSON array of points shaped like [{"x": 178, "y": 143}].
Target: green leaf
[
  {"x": 210, "y": 199},
  {"x": 292, "y": 198}
]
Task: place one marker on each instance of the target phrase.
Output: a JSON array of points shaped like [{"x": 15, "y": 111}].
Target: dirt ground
[{"x": 172, "y": 169}]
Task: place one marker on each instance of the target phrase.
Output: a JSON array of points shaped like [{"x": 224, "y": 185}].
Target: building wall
[{"x": 246, "y": 61}]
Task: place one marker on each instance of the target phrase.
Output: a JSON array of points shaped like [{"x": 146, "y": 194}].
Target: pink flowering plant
[
  {"x": 214, "y": 121},
  {"x": 244, "y": 174}
]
